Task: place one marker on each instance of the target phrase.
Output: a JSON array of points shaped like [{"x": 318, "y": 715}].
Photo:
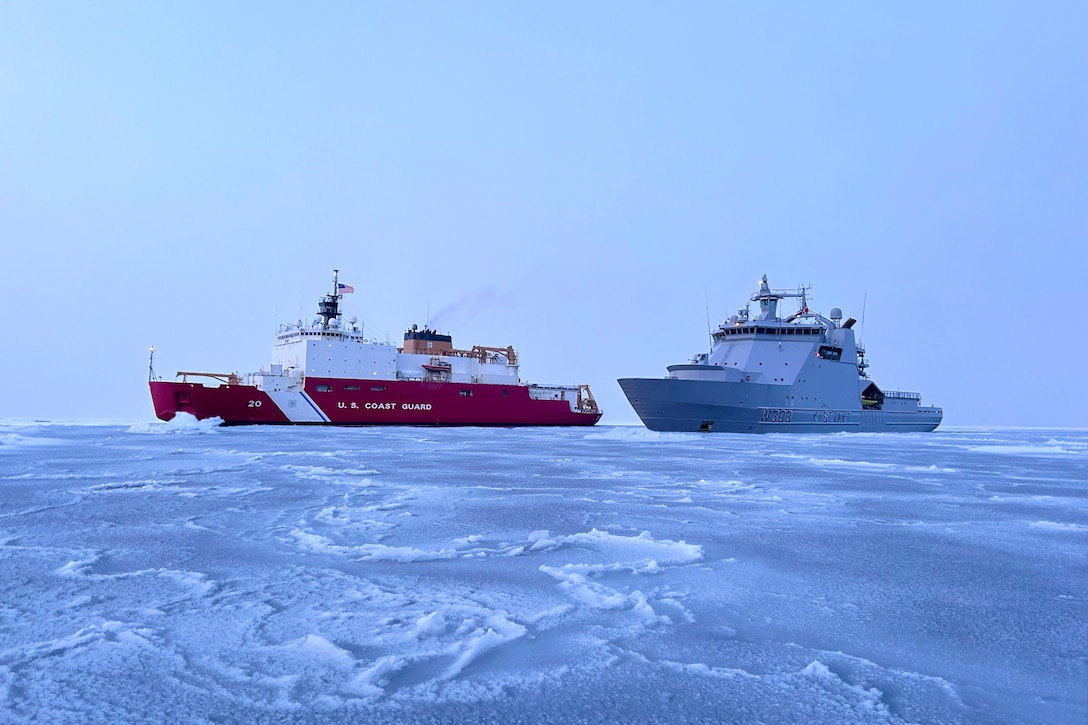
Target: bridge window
[
  {"x": 324, "y": 388},
  {"x": 466, "y": 393},
  {"x": 351, "y": 387},
  {"x": 377, "y": 388}
]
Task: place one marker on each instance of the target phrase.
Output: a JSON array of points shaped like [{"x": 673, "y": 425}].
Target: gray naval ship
[{"x": 800, "y": 374}]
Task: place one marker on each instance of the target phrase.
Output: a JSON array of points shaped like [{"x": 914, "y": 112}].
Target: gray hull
[{"x": 669, "y": 404}]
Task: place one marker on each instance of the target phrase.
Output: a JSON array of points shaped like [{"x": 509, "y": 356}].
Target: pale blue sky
[{"x": 581, "y": 180}]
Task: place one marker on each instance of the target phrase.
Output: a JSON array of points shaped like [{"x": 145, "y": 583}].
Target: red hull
[{"x": 327, "y": 401}]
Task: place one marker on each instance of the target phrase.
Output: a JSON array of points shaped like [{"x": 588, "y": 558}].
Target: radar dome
[{"x": 836, "y": 314}]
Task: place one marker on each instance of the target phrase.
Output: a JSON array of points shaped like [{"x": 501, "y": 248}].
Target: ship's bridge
[
  {"x": 774, "y": 350},
  {"x": 331, "y": 347},
  {"x": 776, "y": 330},
  {"x": 334, "y": 353}
]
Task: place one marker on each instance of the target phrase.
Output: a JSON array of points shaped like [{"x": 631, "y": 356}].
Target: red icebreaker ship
[{"x": 329, "y": 373}]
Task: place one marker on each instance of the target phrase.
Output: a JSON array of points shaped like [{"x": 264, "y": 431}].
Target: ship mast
[
  {"x": 329, "y": 308},
  {"x": 768, "y": 299},
  {"x": 862, "y": 362}
]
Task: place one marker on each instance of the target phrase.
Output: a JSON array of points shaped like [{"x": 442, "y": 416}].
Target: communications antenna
[
  {"x": 709, "y": 332},
  {"x": 861, "y": 332},
  {"x": 863, "y": 364}
]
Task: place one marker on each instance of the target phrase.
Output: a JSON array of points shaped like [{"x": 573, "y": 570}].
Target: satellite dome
[{"x": 836, "y": 314}]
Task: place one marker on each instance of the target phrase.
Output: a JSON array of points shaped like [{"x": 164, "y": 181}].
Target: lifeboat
[{"x": 437, "y": 366}]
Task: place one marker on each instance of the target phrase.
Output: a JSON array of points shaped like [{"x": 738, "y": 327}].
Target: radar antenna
[{"x": 329, "y": 307}]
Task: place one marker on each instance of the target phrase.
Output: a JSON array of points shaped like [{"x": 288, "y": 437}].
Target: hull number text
[{"x": 775, "y": 415}]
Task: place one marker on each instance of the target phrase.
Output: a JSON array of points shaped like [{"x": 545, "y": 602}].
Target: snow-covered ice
[{"x": 185, "y": 572}]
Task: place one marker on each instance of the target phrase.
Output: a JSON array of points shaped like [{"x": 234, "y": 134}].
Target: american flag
[{"x": 344, "y": 289}]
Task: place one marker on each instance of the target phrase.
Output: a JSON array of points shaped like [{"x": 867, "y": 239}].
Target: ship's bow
[
  {"x": 668, "y": 404},
  {"x": 163, "y": 399}
]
